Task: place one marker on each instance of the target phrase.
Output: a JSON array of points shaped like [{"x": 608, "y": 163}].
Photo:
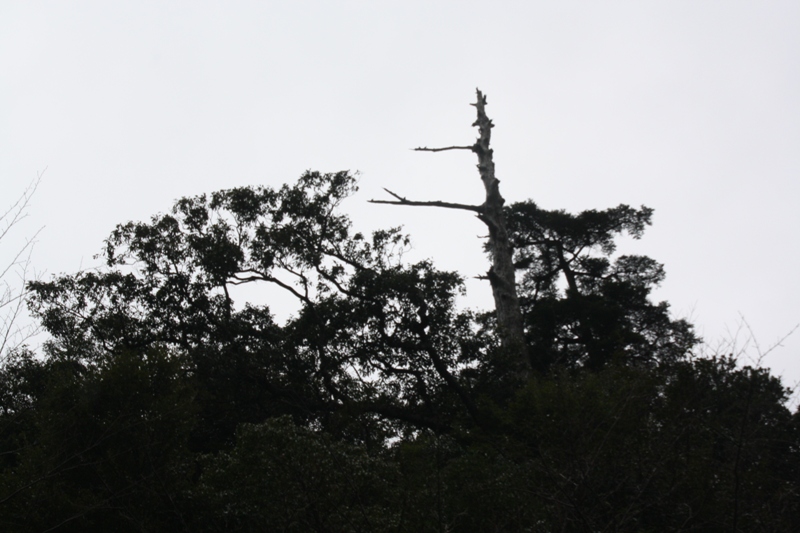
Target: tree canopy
[{"x": 161, "y": 404}]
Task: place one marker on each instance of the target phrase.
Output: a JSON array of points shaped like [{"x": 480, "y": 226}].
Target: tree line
[{"x": 576, "y": 404}]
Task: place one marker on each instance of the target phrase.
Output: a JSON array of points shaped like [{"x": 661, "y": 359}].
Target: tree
[
  {"x": 94, "y": 447},
  {"x": 581, "y": 307},
  {"x": 12, "y": 292},
  {"x": 281, "y": 477},
  {"x": 161, "y": 403},
  {"x": 374, "y": 338},
  {"x": 501, "y": 273}
]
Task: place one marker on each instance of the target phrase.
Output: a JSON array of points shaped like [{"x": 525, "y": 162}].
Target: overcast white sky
[{"x": 689, "y": 107}]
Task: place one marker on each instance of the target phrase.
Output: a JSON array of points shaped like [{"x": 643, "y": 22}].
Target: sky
[{"x": 688, "y": 107}]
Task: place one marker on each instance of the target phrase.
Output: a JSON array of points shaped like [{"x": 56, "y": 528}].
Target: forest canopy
[{"x": 577, "y": 404}]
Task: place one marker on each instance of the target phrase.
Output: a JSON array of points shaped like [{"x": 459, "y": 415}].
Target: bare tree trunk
[
  {"x": 502, "y": 272},
  {"x": 501, "y": 275}
]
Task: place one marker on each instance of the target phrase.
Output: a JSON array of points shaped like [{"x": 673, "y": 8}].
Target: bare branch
[
  {"x": 14, "y": 294},
  {"x": 395, "y": 195},
  {"x": 16, "y": 211},
  {"x": 446, "y": 148},
  {"x": 447, "y": 205}
]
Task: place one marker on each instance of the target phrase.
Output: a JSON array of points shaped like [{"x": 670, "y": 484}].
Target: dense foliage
[{"x": 160, "y": 404}]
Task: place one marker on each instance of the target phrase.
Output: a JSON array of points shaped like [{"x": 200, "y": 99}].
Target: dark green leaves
[
  {"x": 162, "y": 404},
  {"x": 584, "y": 307}
]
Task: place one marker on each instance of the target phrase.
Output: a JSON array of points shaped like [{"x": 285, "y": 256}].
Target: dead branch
[
  {"x": 447, "y": 205},
  {"x": 446, "y": 148}
]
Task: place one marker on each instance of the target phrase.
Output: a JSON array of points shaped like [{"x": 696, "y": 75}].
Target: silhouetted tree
[
  {"x": 501, "y": 274},
  {"x": 582, "y": 306},
  {"x": 162, "y": 404}
]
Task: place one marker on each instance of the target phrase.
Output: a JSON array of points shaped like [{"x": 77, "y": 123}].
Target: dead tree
[{"x": 490, "y": 212}]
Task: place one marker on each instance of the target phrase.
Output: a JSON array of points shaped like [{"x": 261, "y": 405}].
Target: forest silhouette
[{"x": 576, "y": 404}]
